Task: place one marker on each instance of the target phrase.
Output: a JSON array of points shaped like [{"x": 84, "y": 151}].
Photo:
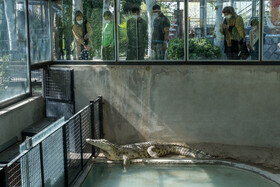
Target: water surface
[{"x": 102, "y": 175}]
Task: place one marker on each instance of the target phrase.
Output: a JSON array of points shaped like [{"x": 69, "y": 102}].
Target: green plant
[
  {"x": 203, "y": 49},
  {"x": 176, "y": 49},
  {"x": 95, "y": 36},
  {"x": 5, "y": 76}
]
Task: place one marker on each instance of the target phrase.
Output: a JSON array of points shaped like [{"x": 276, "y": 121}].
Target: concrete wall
[
  {"x": 236, "y": 105},
  {"x": 15, "y": 118}
]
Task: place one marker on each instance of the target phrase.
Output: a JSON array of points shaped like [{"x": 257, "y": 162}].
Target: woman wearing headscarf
[
  {"x": 253, "y": 44},
  {"x": 234, "y": 33}
]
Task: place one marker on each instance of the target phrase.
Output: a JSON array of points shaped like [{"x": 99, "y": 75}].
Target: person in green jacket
[{"x": 108, "y": 49}]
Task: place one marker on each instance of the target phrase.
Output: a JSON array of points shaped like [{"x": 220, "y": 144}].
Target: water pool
[{"x": 135, "y": 175}]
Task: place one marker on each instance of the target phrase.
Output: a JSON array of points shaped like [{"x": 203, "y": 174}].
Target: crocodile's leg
[
  {"x": 126, "y": 160},
  {"x": 152, "y": 153}
]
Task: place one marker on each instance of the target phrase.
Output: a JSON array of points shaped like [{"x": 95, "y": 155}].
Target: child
[
  {"x": 253, "y": 44},
  {"x": 108, "y": 51}
]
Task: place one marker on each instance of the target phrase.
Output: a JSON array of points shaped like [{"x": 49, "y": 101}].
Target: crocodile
[{"x": 144, "y": 150}]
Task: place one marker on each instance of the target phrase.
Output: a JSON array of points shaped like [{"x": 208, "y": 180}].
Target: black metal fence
[{"x": 59, "y": 158}]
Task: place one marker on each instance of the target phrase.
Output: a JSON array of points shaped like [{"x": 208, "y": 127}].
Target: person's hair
[
  {"x": 156, "y": 7},
  {"x": 135, "y": 9},
  {"x": 78, "y": 13},
  {"x": 108, "y": 14},
  {"x": 229, "y": 10},
  {"x": 254, "y": 22}
]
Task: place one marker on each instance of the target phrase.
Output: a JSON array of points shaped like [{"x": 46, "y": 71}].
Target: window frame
[{"x": 187, "y": 61}]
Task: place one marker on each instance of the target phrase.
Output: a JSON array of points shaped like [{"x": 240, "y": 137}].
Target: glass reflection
[
  {"x": 14, "y": 75},
  {"x": 39, "y": 29}
]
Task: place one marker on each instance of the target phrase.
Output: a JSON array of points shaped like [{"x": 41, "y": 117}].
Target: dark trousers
[
  {"x": 232, "y": 56},
  {"x": 134, "y": 53},
  {"x": 232, "y": 52},
  {"x": 108, "y": 53}
]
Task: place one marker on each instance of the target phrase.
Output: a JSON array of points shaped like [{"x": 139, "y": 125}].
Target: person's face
[
  {"x": 107, "y": 18},
  {"x": 227, "y": 15},
  {"x": 255, "y": 27},
  {"x": 156, "y": 12},
  {"x": 79, "y": 18},
  {"x": 136, "y": 13}
]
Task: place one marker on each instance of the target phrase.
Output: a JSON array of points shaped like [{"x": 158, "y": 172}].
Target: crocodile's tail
[
  {"x": 162, "y": 150},
  {"x": 195, "y": 153}
]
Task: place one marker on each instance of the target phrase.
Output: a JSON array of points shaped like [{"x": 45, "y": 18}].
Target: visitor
[
  {"x": 253, "y": 44},
  {"x": 137, "y": 36},
  {"x": 234, "y": 34},
  {"x": 108, "y": 51},
  {"x": 160, "y": 33},
  {"x": 81, "y": 32}
]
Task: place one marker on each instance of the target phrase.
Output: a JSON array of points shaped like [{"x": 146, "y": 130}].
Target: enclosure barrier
[{"x": 58, "y": 158}]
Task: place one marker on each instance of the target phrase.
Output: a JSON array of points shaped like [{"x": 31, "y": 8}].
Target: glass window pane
[
  {"x": 14, "y": 68},
  {"x": 81, "y": 31},
  {"x": 153, "y": 31},
  {"x": 222, "y": 30},
  {"x": 39, "y": 29},
  {"x": 271, "y": 27}
]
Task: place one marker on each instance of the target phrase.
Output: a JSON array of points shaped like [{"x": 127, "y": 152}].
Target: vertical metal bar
[
  {"x": 100, "y": 111},
  {"x": 261, "y": 7},
  {"x": 4, "y": 177},
  {"x": 81, "y": 141},
  {"x": 72, "y": 90},
  {"x": 186, "y": 30},
  {"x": 41, "y": 9},
  {"x": 42, "y": 164},
  {"x": 116, "y": 30},
  {"x": 28, "y": 44},
  {"x": 51, "y": 29},
  {"x": 66, "y": 184},
  {"x": 44, "y": 81},
  {"x": 92, "y": 125},
  {"x": 44, "y": 85}
]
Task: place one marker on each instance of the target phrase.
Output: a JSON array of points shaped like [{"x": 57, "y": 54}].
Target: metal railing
[{"x": 60, "y": 157}]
